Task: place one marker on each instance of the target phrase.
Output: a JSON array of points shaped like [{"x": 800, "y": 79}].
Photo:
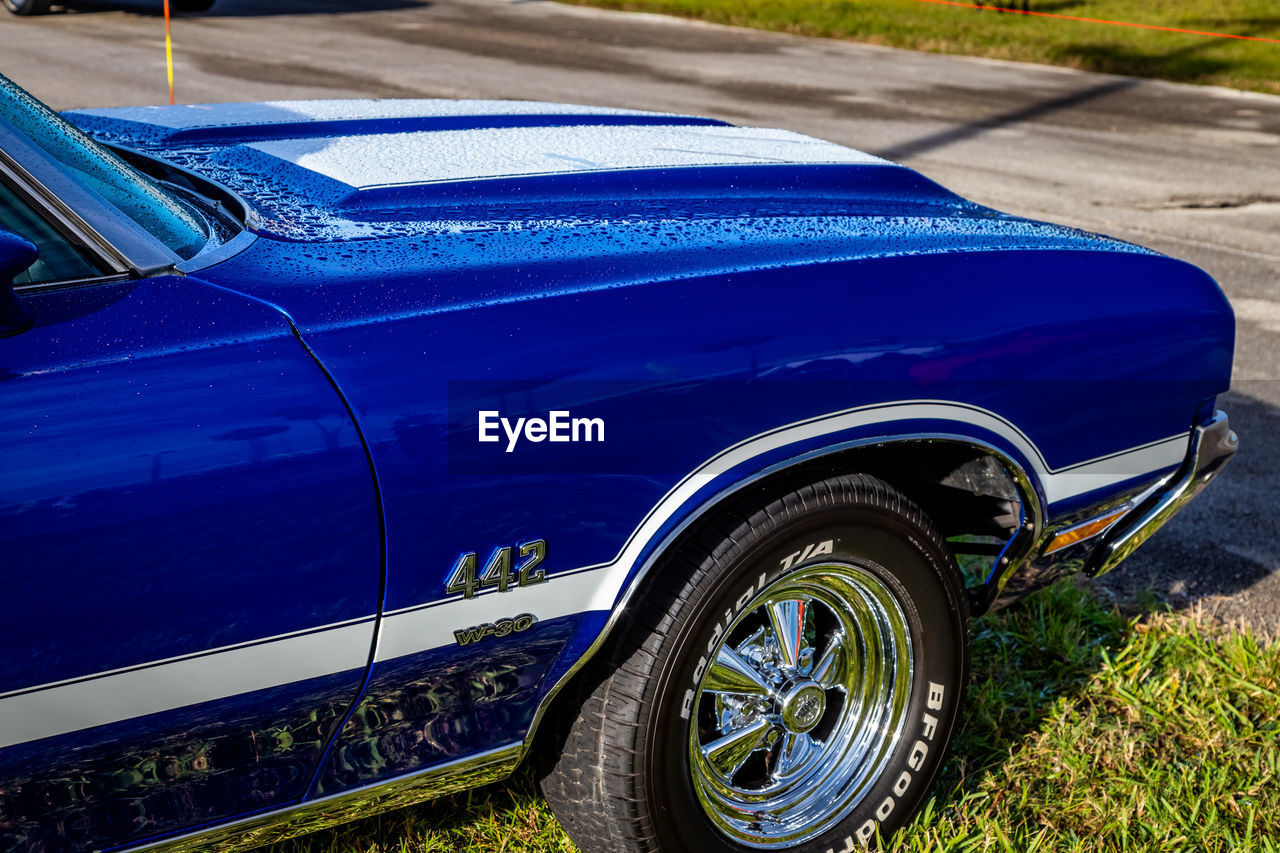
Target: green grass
[
  {"x": 1088, "y": 731},
  {"x": 947, "y": 29},
  {"x": 1084, "y": 730}
]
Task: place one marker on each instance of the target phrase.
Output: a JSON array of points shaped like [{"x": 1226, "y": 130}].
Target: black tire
[
  {"x": 28, "y": 7},
  {"x": 191, "y": 5},
  {"x": 642, "y": 766}
]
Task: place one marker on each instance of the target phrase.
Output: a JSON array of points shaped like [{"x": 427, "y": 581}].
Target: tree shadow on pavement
[
  {"x": 1181, "y": 65},
  {"x": 1020, "y": 115},
  {"x": 1185, "y": 63}
]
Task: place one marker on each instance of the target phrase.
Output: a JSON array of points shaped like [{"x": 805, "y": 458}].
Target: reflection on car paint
[
  {"x": 426, "y": 708},
  {"x": 139, "y": 778}
]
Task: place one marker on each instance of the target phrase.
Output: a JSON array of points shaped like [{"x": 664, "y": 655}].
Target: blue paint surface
[
  {"x": 175, "y": 458},
  {"x": 180, "y": 476}
]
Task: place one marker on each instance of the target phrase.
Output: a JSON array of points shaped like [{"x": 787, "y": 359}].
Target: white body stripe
[
  {"x": 1113, "y": 470},
  {"x": 365, "y": 620},
  {"x": 1057, "y": 486},
  {"x": 111, "y": 697},
  {"x": 419, "y": 629},
  {"x": 189, "y": 681}
]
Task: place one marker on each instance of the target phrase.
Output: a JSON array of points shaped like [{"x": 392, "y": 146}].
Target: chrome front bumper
[{"x": 1212, "y": 444}]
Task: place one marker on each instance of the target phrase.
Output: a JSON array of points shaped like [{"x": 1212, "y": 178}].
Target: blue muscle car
[{"x": 354, "y": 452}]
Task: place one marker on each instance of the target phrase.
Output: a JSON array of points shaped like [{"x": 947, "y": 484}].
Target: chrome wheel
[{"x": 801, "y": 705}]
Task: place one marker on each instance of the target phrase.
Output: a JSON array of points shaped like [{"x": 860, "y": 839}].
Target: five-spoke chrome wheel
[
  {"x": 789, "y": 683},
  {"x": 801, "y": 705}
]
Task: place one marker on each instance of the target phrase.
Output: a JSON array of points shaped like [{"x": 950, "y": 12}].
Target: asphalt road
[{"x": 1194, "y": 172}]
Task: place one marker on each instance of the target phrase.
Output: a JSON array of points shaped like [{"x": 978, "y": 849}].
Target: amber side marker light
[{"x": 1086, "y": 530}]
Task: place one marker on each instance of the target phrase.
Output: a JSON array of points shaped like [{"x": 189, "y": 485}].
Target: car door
[{"x": 190, "y": 562}]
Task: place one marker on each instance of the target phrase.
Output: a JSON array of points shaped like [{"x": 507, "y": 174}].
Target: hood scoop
[
  {"x": 342, "y": 170},
  {"x": 423, "y": 158}
]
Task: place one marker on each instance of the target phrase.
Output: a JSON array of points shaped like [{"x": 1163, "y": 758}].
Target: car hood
[{"x": 530, "y": 192}]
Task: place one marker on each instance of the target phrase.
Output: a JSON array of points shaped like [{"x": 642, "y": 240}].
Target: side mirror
[{"x": 16, "y": 254}]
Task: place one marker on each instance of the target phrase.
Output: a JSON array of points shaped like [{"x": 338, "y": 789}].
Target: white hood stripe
[{"x": 393, "y": 159}]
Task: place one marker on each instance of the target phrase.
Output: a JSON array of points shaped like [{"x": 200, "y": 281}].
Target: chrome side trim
[
  {"x": 309, "y": 816},
  {"x": 1212, "y": 446}
]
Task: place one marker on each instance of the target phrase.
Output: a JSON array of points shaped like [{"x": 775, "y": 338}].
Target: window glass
[
  {"x": 136, "y": 195},
  {"x": 59, "y": 260}
]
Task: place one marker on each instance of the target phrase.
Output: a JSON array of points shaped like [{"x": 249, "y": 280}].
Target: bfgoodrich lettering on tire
[{"x": 789, "y": 679}]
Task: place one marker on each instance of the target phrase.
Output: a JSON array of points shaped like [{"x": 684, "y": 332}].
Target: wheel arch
[{"x": 957, "y": 480}]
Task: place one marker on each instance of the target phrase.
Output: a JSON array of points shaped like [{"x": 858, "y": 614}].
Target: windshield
[{"x": 136, "y": 195}]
